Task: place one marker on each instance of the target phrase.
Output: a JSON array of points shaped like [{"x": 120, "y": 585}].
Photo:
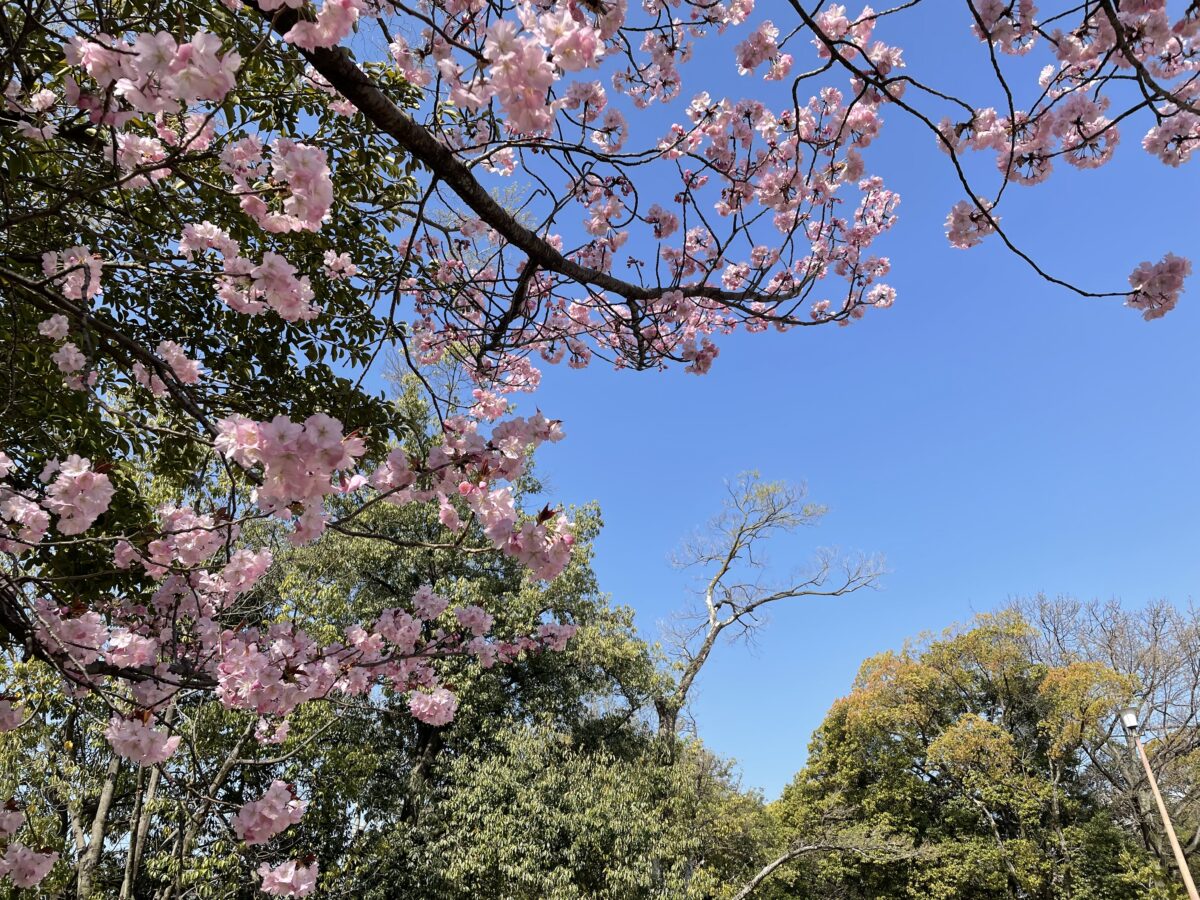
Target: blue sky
[{"x": 992, "y": 435}]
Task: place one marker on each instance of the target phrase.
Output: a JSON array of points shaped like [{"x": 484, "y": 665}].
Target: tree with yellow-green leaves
[{"x": 975, "y": 765}]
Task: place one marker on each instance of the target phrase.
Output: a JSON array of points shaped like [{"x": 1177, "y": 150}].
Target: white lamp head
[{"x": 1129, "y": 718}]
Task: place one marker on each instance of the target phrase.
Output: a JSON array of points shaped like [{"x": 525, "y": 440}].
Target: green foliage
[
  {"x": 547, "y": 816},
  {"x": 969, "y": 752},
  {"x": 68, "y": 192}
]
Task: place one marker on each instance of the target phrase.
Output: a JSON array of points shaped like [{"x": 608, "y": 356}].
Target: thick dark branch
[{"x": 340, "y": 70}]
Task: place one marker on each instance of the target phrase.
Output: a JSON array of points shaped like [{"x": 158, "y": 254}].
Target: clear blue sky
[{"x": 992, "y": 435}]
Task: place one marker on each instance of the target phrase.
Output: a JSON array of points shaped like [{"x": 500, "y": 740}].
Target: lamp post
[{"x": 1129, "y": 719}]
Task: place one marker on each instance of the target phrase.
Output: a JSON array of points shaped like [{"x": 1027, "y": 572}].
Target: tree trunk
[
  {"x": 85, "y": 869},
  {"x": 139, "y": 828}
]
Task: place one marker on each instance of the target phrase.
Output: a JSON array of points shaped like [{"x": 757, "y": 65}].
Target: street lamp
[{"x": 1129, "y": 719}]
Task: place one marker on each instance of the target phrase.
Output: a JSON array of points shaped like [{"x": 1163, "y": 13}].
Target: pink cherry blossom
[
  {"x": 260, "y": 820},
  {"x": 77, "y": 637},
  {"x": 289, "y": 879},
  {"x": 334, "y": 22},
  {"x": 300, "y": 168},
  {"x": 265, "y": 734},
  {"x": 298, "y": 461},
  {"x": 244, "y": 569},
  {"x": 274, "y": 279},
  {"x": 757, "y": 49},
  {"x": 427, "y": 603},
  {"x": 76, "y": 270},
  {"x": 24, "y": 867},
  {"x": 206, "y": 236},
  {"x": 11, "y": 819},
  {"x": 339, "y": 266},
  {"x": 556, "y": 635},
  {"x": 186, "y": 370},
  {"x": 68, "y": 358},
  {"x": 149, "y": 380},
  {"x": 125, "y": 648},
  {"x": 78, "y": 495},
  {"x": 474, "y": 619},
  {"x": 1157, "y": 286},
  {"x": 139, "y": 742},
  {"x": 409, "y": 64},
  {"x": 154, "y": 73},
  {"x": 1174, "y": 139},
  {"x": 966, "y": 226},
  {"x": 21, "y": 511},
  {"x": 400, "y": 628},
  {"x": 436, "y": 707},
  {"x": 55, "y": 327}
]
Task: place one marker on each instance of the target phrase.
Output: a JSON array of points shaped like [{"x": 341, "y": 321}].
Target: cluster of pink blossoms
[
  {"x": 436, "y": 707},
  {"x": 336, "y": 102},
  {"x": 277, "y": 810},
  {"x": 333, "y": 22},
  {"x": 1157, "y": 286},
  {"x": 138, "y": 741},
  {"x": 76, "y": 272},
  {"x": 78, "y": 496},
  {"x": 11, "y": 714},
  {"x": 1070, "y": 119},
  {"x": 270, "y": 671},
  {"x": 761, "y": 47},
  {"x": 797, "y": 164},
  {"x": 1175, "y": 138},
  {"x": 1026, "y": 146},
  {"x": 523, "y": 61},
  {"x": 245, "y": 286},
  {"x": 966, "y": 225},
  {"x": 11, "y": 819},
  {"x": 36, "y": 122},
  {"x": 301, "y": 169},
  {"x": 21, "y": 865},
  {"x": 267, "y": 671},
  {"x": 24, "y": 867},
  {"x": 339, "y": 266},
  {"x": 1009, "y": 25},
  {"x": 184, "y": 370},
  {"x": 298, "y": 461},
  {"x": 153, "y": 74},
  {"x": 289, "y": 879}
]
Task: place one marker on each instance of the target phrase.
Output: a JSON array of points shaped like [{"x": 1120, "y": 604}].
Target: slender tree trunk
[
  {"x": 74, "y": 814},
  {"x": 144, "y": 822},
  {"x": 139, "y": 827},
  {"x": 85, "y": 869}
]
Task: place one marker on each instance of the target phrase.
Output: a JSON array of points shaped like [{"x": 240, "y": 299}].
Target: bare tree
[
  {"x": 1158, "y": 644},
  {"x": 736, "y": 587}
]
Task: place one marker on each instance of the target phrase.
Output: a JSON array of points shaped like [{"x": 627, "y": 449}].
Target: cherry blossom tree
[{"x": 215, "y": 218}]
